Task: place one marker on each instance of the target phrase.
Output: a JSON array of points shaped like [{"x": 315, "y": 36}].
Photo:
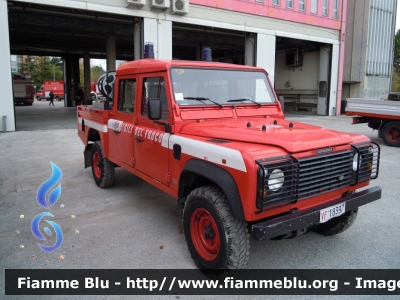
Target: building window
[
  {"x": 276, "y": 2},
  {"x": 325, "y": 5},
  {"x": 289, "y": 3},
  {"x": 314, "y": 6},
  {"x": 302, "y": 5},
  {"x": 336, "y": 9}
]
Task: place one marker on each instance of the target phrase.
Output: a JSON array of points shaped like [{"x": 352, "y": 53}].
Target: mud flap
[{"x": 88, "y": 155}]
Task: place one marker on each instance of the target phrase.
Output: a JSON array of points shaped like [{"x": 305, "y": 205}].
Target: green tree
[
  {"x": 95, "y": 72},
  {"x": 396, "y": 64},
  {"x": 28, "y": 65},
  {"x": 42, "y": 68}
]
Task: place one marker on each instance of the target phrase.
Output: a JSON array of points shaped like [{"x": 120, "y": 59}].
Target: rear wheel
[
  {"x": 337, "y": 225},
  {"x": 38, "y": 98},
  {"x": 391, "y": 134},
  {"x": 216, "y": 240},
  {"x": 102, "y": 169}
]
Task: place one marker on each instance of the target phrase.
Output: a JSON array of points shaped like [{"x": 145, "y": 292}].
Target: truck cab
[{"x": 214, "y": 136}]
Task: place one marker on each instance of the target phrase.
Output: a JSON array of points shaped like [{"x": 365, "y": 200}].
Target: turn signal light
[{"x": 263, "y": 193}]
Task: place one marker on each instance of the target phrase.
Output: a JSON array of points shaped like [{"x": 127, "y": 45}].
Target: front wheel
[
  {"x": 38, "y": 98},
  {"x": 102, "y": 169},
  {"x": 216, "y": 240},
  {"x": 391, "y": 134}
]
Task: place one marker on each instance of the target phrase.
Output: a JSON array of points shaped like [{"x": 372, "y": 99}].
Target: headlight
[{"x": 276, "y": 180}]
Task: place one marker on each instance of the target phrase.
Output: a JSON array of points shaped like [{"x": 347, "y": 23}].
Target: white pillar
[
  {"x": 266, "y": 53},
  {"x": 334, "y": 100},
  {"x": 159, "y": 32},
  {"x": 6, "y": 99}
]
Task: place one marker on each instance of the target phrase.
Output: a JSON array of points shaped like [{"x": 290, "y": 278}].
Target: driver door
[{"x": 151, "y": 139}]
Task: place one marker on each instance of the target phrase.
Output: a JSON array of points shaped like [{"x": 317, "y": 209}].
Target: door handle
[
  {"x": 139, "y": 140},
  {"x": 117, "y": 132}
]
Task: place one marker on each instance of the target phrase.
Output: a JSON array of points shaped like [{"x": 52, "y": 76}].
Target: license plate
[{"x": 331, "y": 212}]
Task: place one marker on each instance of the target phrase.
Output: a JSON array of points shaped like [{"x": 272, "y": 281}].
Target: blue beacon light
[
  {"x": 149, "y": 50},
  {"x": 207, "y": 56}
]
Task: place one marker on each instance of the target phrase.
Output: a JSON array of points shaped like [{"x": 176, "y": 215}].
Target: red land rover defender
[{"x": 214, "y": 136}]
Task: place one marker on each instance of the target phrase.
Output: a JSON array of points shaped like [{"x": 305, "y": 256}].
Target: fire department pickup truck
[{"x": 214, "y": 136}]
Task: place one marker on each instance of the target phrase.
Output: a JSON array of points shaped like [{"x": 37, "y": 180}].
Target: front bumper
[{"x": 302, "y": 219}]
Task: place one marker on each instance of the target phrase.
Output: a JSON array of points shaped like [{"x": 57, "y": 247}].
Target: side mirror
[{"x": 154, "y": 109}]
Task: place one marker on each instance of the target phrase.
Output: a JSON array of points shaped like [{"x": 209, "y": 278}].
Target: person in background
[
  {"x": 51, "y": 95},
  {"x": 81, "y": 95}
]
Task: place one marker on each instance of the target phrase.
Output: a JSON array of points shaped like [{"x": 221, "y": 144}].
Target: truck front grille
[
  {"x": 325, "y": 173},
  {"x": 308, "y": 177}
]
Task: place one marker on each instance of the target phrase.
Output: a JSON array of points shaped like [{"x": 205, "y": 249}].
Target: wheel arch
[
  {"x": 92, "y": 136},
  {"x": 197, "y": 173}
]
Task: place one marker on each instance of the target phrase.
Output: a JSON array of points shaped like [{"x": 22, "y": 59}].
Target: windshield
[{"x": 213, "y": 87}]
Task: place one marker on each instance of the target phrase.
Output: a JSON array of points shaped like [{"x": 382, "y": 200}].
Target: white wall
[
  {"x": 266, "y": 53},
  {"x": 333, "y": 102},
  {"x": 304, "y": 79},
  {"x": 159, "y": 32},
  {"x": 6, "y": 99}
]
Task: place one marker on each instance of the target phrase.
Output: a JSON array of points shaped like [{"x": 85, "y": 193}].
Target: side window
[
  {"x": 154, "y": 88},
  {"x": 126, "y": 98}
]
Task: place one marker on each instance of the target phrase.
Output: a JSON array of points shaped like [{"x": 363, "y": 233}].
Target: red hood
[{"x": 301, "y": 137}]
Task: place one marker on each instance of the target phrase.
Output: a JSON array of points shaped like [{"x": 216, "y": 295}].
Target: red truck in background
[
  {"x": 214, "y": 136},
  {"x": 57, "y": 86},
  {"x": 23, "y": 89}
]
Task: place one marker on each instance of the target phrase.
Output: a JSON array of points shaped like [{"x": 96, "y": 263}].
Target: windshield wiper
[
  {"x": 245, "y": 99},
  {"x": 201, "y": 99}
]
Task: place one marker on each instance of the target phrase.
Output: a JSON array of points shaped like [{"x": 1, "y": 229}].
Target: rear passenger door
[
  {"x": 151, "y": 139},
  {"x": 121, "y": 124}
]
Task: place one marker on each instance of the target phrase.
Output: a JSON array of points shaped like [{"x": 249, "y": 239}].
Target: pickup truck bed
[
  {"x": 382, "y": 115},
  {"x": 373, "y": 107}
]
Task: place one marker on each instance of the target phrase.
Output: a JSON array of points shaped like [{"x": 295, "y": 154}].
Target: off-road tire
[
  {"x": 337, "y": 225},
  {"x": 208, "y": 206},
  {"x": 102, "y": 169},
  {"x": 391, "y": 134}
]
